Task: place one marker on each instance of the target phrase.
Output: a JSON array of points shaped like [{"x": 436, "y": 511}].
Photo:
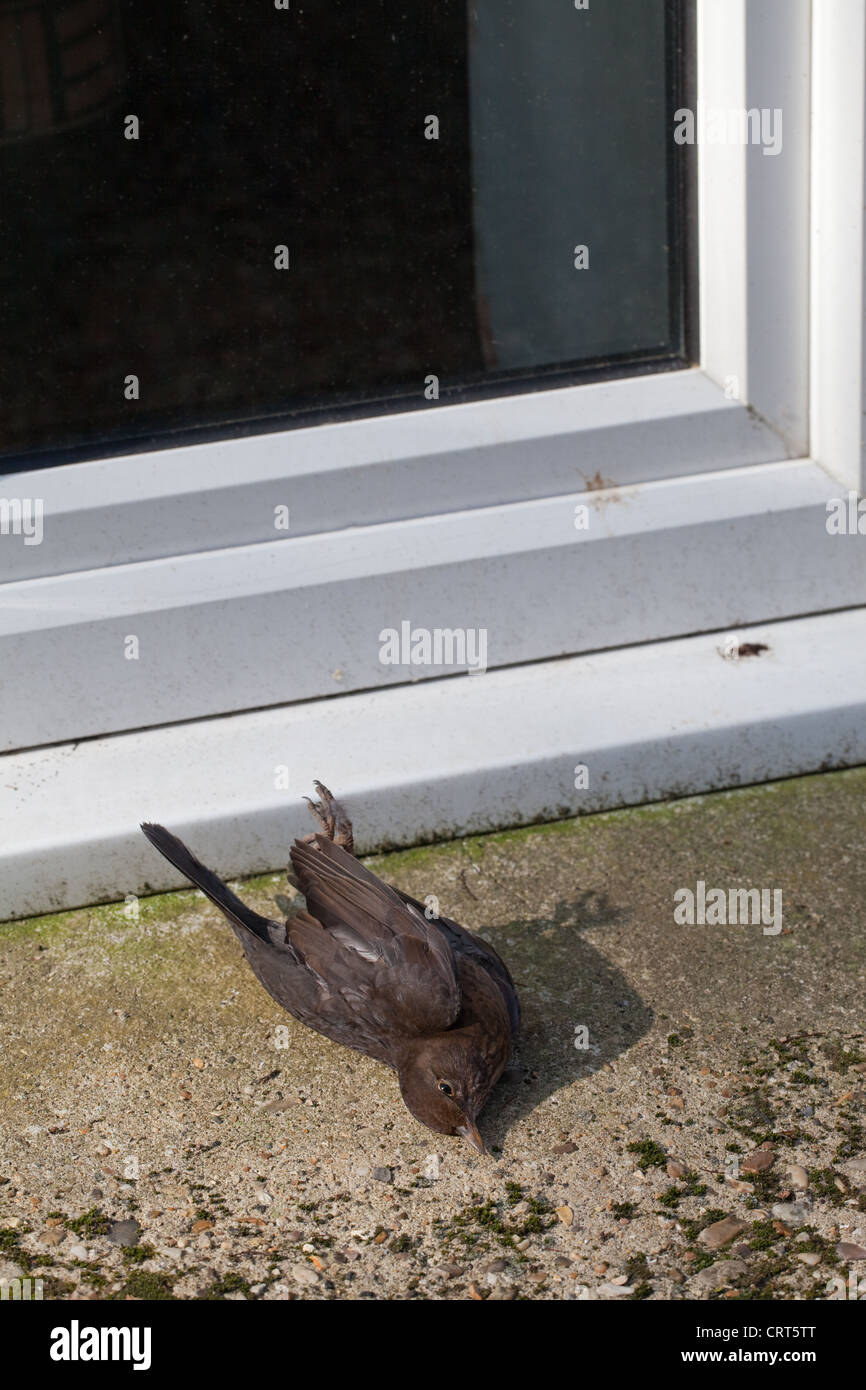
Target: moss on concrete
[{"x": 142, "y": 1062}]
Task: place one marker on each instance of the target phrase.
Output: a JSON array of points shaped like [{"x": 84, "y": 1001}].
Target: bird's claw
[{"x": 332, "y": 818}]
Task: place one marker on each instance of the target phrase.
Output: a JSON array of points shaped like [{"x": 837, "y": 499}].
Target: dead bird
[{"x": 367, "y": 967}]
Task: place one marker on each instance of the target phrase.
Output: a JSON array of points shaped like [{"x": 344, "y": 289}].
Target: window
[
  {"x": 231, "y": 218},
  {"x": 256, "y": 566}
]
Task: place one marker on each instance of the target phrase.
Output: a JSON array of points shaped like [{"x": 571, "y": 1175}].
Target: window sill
[{"x": 650, "y": 722}]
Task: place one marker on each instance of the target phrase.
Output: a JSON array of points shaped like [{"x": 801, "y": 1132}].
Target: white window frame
[
  {"x": 712, "y": 515},
  {"x": 838, "y": 303}
]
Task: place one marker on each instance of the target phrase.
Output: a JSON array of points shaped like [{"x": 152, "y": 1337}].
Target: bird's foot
[{"x": 332, "y": 818}]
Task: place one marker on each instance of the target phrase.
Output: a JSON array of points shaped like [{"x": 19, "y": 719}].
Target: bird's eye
[{"x": 445, "y": 1088}]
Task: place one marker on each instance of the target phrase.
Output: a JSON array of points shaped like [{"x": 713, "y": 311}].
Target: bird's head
[{"x": 444, "y": 1082}]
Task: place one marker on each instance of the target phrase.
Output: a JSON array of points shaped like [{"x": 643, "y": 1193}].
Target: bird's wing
[
  {"x": 374, "y": 955},
  {"x": 466, "y": 943}
]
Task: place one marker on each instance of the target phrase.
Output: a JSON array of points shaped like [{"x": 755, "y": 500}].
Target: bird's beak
[{"x": 469, "y": 1130}]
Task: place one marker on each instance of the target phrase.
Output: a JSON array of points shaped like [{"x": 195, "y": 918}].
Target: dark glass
[{"x": 260, "y": 127}]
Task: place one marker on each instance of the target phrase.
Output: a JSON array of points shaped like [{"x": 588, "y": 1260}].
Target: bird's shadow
[{"x": 579, "y": 1010}]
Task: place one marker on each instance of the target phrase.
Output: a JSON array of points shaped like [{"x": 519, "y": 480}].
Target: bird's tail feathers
[{"x": 176, "y": 852}]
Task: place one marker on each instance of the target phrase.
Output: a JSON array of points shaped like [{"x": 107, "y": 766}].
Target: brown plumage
[{"x": 366, "y": 967}]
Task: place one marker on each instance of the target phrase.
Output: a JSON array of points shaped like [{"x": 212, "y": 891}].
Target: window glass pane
[{"x": 429, "y": 171}]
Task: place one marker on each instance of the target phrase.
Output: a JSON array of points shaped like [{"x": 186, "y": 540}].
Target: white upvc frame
[
  {"x": 838, "y": 355},
  {"x": 754, "y": 210},
  {"x": 713, "y": 517}
]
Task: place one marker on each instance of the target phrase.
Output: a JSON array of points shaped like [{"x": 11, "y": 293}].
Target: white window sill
[
  {"x": 435, "y": 760},
  {"x": 438, "y": 459},
  {"x": 271, "y": 624}
]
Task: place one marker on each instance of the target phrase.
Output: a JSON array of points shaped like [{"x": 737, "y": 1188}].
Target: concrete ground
[{"x": 167, "y": 1132}]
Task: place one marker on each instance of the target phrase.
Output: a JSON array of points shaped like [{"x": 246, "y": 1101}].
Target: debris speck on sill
[{"x": 733, "y": 650}]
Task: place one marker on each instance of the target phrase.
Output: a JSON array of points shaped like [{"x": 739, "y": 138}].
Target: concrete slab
[{"x": 146, "y": 1077}]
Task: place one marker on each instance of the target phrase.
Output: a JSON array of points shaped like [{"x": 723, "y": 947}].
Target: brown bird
[{"x": 367, "y": 967}]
